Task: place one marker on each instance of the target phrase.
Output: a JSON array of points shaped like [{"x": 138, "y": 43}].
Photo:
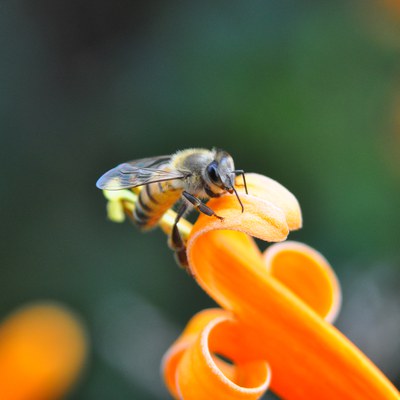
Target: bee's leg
[
  {"x": 182, "y": 260},
  {"x": 200, "y": 206},
  {"x": 176, "y": 242},
  {"x": 176, "y": 238}
]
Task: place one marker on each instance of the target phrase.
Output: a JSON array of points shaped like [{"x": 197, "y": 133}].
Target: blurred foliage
[{"x": 305, "y": 92}]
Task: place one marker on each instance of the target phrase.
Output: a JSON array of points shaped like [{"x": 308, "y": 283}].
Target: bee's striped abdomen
[{"x": 153, "y": 201}]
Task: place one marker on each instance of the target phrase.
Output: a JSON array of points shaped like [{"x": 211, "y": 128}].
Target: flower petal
[
  {"x": 270, "y": 211},
  {"x": 307, "y": 274},
  {"x": 42, "y": 350},
  {"x": 172, "y": 358},
  {"x": 262, "y": 187},
  {"x": 201, "y": 374},
  {"x": 309, "y": 358},
  {"x": 274, "y": 316}
]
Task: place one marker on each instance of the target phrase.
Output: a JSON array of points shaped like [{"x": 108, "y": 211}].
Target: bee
[{"x": 188, "y": 175}]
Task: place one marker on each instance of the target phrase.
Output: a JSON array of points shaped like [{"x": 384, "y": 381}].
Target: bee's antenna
[
  {"x": 236, "y": 194},
  {"x": 241, "y": 172}
]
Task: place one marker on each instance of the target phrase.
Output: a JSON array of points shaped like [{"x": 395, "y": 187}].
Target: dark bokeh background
[{"x": 305, "y": 92}]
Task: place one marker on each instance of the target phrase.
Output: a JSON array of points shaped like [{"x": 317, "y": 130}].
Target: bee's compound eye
[{"x": 212, "y": 172}]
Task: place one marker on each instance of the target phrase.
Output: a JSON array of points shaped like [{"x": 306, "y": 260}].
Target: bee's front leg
[{"x": 200, "y": 206}]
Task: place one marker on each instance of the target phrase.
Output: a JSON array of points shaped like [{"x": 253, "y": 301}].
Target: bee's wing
[{"x": 138, "y": 173}]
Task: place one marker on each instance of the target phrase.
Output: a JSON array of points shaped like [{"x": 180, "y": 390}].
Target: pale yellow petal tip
[
  {"x": 270, "y": 190},
  {"x": 43, "y": 349},
  {"x": 270, "y": 211}
]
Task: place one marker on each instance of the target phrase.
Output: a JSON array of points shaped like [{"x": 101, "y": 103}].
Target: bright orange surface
[
  {"x": 42, "y": 350},
  {"x": 280, "y": 305},
  {"x": 193, "y": 367}
]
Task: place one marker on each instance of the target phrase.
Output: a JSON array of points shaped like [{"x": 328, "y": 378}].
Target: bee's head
[{"x": 220, "y": 173}]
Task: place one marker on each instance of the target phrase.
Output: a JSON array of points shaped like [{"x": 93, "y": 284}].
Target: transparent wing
[{"x": 138, "y": 173}]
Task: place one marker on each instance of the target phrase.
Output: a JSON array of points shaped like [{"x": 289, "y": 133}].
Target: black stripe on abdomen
[
  {"x": 149, "y": 194},
  {"x": 144, "y": 206},
  {"x": 140, "y": 214},
  {"x": 153, "y": 201}
]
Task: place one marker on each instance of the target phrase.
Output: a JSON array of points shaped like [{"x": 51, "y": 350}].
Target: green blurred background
[{"x": 306, "y": 92}]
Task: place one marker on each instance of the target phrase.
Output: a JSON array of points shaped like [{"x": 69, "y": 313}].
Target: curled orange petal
[
  {"x": 173, "y": 356},
  {"x": 42, "y": 351},
  {"x": 280, "y": 321},
  {"x": 307, "y": 274},
  {"x": 194, "y": 369}
]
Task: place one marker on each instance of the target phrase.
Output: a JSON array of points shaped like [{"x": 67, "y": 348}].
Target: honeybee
[{"x": 190, "y": 175}]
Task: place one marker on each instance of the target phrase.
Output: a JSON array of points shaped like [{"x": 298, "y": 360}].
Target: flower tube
[{"x": 280, "y": 304}]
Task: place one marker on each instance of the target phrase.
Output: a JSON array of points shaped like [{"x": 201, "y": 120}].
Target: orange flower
[
  {"x": 278, "y": 308},
  {"x": 392, "y": 5},
  {"x": 42, "y": 350}
]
